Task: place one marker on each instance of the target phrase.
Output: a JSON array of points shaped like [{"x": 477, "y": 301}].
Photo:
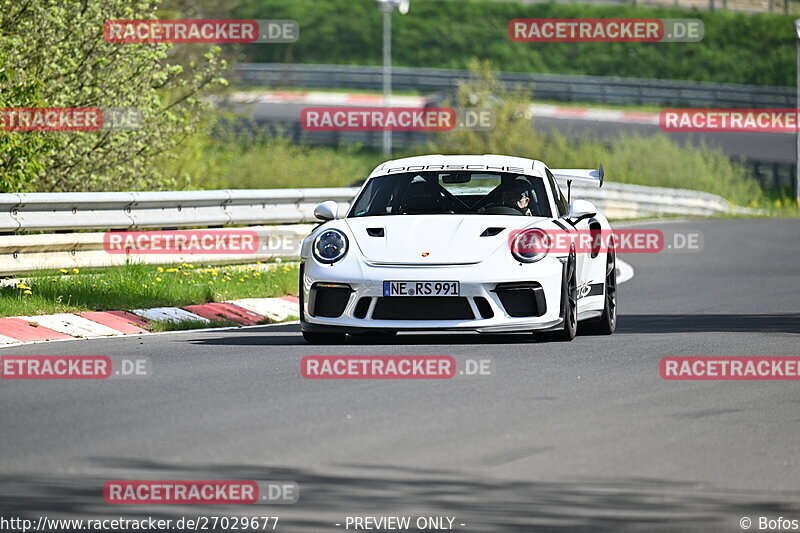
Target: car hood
[{"x": 433, "y": 239}]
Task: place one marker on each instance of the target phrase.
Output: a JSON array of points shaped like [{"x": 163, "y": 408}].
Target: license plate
[{"x": 421, "y": 288}]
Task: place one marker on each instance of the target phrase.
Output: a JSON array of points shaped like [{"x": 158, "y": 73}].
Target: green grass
[
  {"x": 137, "y": 286},
  {"x": 265, "y": 159}
]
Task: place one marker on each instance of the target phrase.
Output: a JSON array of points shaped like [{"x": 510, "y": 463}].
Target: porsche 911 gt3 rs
[{"x": 443, "y": 243}]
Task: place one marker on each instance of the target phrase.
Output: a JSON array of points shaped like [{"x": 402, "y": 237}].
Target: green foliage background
[
  {"x": 737, "y": 48},
  {"x": 52, "y": 54}
]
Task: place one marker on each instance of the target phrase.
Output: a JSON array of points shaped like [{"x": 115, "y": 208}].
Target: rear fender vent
[
  {"x": 491, "y": 232},
  {"x": 375, "y": 232}
]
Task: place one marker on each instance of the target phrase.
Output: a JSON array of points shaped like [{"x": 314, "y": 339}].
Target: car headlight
[
  {"x": 330, "y": 246},
  {"x": 530, "y": 245}
]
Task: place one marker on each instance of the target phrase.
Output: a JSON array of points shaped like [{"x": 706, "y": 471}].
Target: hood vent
[{"x": 491, "y": 232}]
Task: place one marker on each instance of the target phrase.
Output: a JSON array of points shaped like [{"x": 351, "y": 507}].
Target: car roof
[{"x": 517, "y": 165}]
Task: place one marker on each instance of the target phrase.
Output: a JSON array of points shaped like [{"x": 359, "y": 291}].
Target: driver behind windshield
[{"x": 516, "y": 195}]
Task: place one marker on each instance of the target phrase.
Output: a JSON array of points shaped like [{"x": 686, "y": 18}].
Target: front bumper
[{"x": 348, "y": 297}]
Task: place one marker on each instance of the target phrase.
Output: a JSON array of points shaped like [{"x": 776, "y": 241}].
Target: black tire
[
  {"x": 607, "y": 323},
  {"x": 316, "y": 337},
  {"x": 569, "y": 296}
]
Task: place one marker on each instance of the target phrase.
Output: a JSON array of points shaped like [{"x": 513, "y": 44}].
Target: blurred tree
[
  {"x": 512, "y": 132},
  {"x": 53, "y": 54}
]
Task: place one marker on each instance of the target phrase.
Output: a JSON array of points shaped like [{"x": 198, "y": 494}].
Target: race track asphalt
[
  {"x": 758, "y": 146},
  {"x": 580, "y": 436}
]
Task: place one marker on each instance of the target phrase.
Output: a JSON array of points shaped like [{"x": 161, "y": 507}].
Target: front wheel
[
  {"x": 607, "y": 323},
  {"x": 569, "y": 297}
]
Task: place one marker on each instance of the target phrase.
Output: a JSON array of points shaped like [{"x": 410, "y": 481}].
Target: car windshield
[{"x": 459, "y": 192}]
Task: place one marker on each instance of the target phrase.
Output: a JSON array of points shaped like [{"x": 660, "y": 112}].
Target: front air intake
[
  {"x": 522, "y": 299},
  {"x": 422, "y": 308},
  {"x": 328, "y": 299}
]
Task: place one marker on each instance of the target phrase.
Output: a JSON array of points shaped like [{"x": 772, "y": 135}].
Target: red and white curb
[
  {"x": 594, "y": 114},
  {"x": 319, "y": 98},
  {"x": 93, "y": 324},
  {"x": 375, "y": 100}
]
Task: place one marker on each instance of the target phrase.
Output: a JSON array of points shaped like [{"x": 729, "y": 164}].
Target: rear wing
[{"x": 580, "y": 174}]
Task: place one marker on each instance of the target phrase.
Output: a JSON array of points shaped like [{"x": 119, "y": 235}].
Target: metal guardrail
[
  {"x": 57, "y": 212},
  {"x": 607, "y": 90},
  {"x": 174, "y": 209},
  {"x": 27, "y": 253}
]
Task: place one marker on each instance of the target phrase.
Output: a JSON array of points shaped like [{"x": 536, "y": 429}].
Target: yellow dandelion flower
[
  {"x": 76, "y": 271},
  {"x": 186, "y": 274},
  {"x": 63, "y": 270},
  {"x": 27, "y": 292},
  {"x": 144, "y": 285},
  {"x": 160, "y": 269},
  {"x": 158, "y": 279},
  {"x": 172, "y": 270},
  {"x": 240, "y": 280}
]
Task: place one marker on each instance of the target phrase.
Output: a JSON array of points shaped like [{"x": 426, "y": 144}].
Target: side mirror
[
  {"x": 327, "y": 210},
  {"x": 580, "y": 209}
]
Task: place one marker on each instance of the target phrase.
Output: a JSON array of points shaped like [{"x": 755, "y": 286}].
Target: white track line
[{"x": 624, "y": 271}]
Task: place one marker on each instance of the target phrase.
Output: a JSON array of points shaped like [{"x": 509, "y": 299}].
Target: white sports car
[{"x": 459, "y": 243}]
